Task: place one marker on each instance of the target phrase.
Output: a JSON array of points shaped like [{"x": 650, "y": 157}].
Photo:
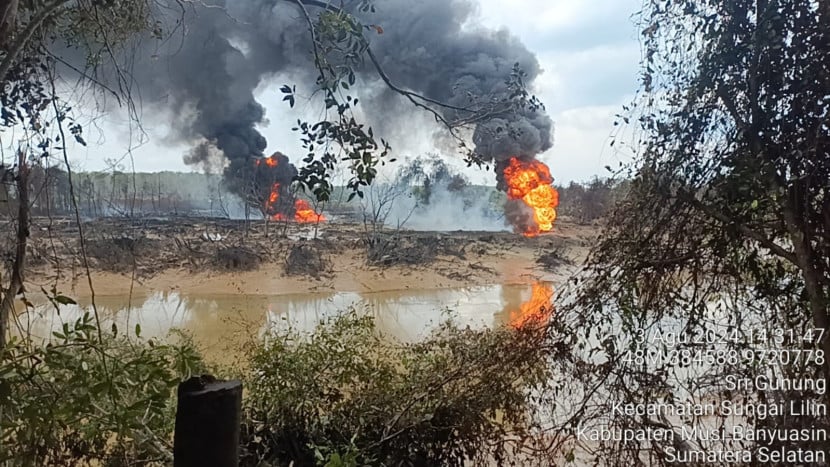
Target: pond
[{"x": 219, "y": 323}]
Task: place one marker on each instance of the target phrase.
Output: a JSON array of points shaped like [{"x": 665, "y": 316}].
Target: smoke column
[{"x": 207, "y": 76}]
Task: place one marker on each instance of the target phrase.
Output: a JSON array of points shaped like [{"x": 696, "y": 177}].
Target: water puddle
[{"x": 218, "y": 322}]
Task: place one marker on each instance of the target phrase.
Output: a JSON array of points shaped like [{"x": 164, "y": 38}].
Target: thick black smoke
[
  {"x": 269, "y": 182},
  {"x": 207, "y": 75},
  {"x": 434, "y": 50}
]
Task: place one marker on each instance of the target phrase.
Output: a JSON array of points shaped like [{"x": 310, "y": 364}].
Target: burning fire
[
  {"x": 530, "y": 181},
  {"x": 537, "y": 309},
  {"x": 303, "y": 212},
  {"x": 269, "y": 161}
]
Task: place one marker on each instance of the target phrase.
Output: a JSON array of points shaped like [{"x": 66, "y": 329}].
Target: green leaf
[{"x": 64, "y": 300}]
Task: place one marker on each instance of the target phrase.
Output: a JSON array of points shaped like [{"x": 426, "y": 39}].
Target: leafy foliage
[
  {"x": 460, "y": 394},
  {"x": 98, "y": 29},
  {"x": 79, "y": 398},
  {"x": 339, "y": 49},
  {"x": 723, "y": 231}
]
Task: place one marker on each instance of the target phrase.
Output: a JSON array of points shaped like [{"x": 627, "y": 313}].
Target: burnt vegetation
[
  {"x": 554, "y": 258},
  {"x": 237, "y": 258},
  {"x": 400, "y": 248},
  {"x": 120, "y": 253},
  {"x": 306, "y": 259}
]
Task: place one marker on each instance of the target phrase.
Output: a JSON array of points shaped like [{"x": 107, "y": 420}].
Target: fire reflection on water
[
  {"x": 221, "y": 323},
  {"x": 538, "y": 309}
]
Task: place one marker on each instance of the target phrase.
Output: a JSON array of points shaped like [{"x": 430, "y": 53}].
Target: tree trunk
[
  {"x": 8, "y": 19},
  {"x": 812, "y": 281},
  {"x": 16, "y": 282}
]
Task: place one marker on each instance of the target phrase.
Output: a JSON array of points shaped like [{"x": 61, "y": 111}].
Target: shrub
[
  {"x": 346, "y": 395},
  {"x": 120, "y": 254},
  {"x": 90, "y": 397}
]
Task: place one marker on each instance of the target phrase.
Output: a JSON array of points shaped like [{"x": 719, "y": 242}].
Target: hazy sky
[{"x": 588, "y": 50}]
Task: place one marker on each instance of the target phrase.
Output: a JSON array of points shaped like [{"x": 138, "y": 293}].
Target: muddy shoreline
[{"x": 217, "y": 256}]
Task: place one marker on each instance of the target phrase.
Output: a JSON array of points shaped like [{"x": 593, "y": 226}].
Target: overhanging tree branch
[
  {"x": 417, "y": 99},
  {"x": 24, "y": 38},
  {"x": 747, "y": 231}
]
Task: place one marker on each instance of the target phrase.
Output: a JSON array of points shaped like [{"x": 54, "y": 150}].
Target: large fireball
[{"x": 530, "y": 181}]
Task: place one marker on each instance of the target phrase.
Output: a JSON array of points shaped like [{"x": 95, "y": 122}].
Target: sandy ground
[{"x": 179, "y": 255}]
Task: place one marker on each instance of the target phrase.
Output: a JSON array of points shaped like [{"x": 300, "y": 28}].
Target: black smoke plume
[{"x": 206, "y": 75}]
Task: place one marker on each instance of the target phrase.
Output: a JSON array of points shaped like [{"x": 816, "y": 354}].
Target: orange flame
[
  {"x": 537, "y": 309},
  {"x": 303, "y": 212},
  {"x": 530, "y": 181},
  {"x": 269, "y": 161},
  {"x": 272, "y": 199}
]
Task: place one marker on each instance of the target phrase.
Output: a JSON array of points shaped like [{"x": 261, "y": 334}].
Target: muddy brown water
[{"x": 220, "y": 323}]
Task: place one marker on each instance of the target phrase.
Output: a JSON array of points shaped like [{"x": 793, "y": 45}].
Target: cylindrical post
[{"x": 208, "y": 418}]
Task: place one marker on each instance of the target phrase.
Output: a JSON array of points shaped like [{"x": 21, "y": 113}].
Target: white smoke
[
  {"x": 427, "y": 194},
  {"x": 448, "y": 211}
]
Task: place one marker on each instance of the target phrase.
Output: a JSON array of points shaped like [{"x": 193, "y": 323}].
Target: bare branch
[
  {"x": 417, "y": 99},
  {"x": 24, "y": 38},
  {"x": 747, "y": 231},
  {"x": 85, "y": 75}
]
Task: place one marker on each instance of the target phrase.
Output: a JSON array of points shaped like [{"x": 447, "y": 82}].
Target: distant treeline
[
  {"x": 122, "y": 194},
  {"x": 590, "y": 201},
  {"x": 126, "y": 194}
]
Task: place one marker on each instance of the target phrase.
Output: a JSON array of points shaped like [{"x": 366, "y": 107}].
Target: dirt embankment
[{"x": 225, "y": 256}]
